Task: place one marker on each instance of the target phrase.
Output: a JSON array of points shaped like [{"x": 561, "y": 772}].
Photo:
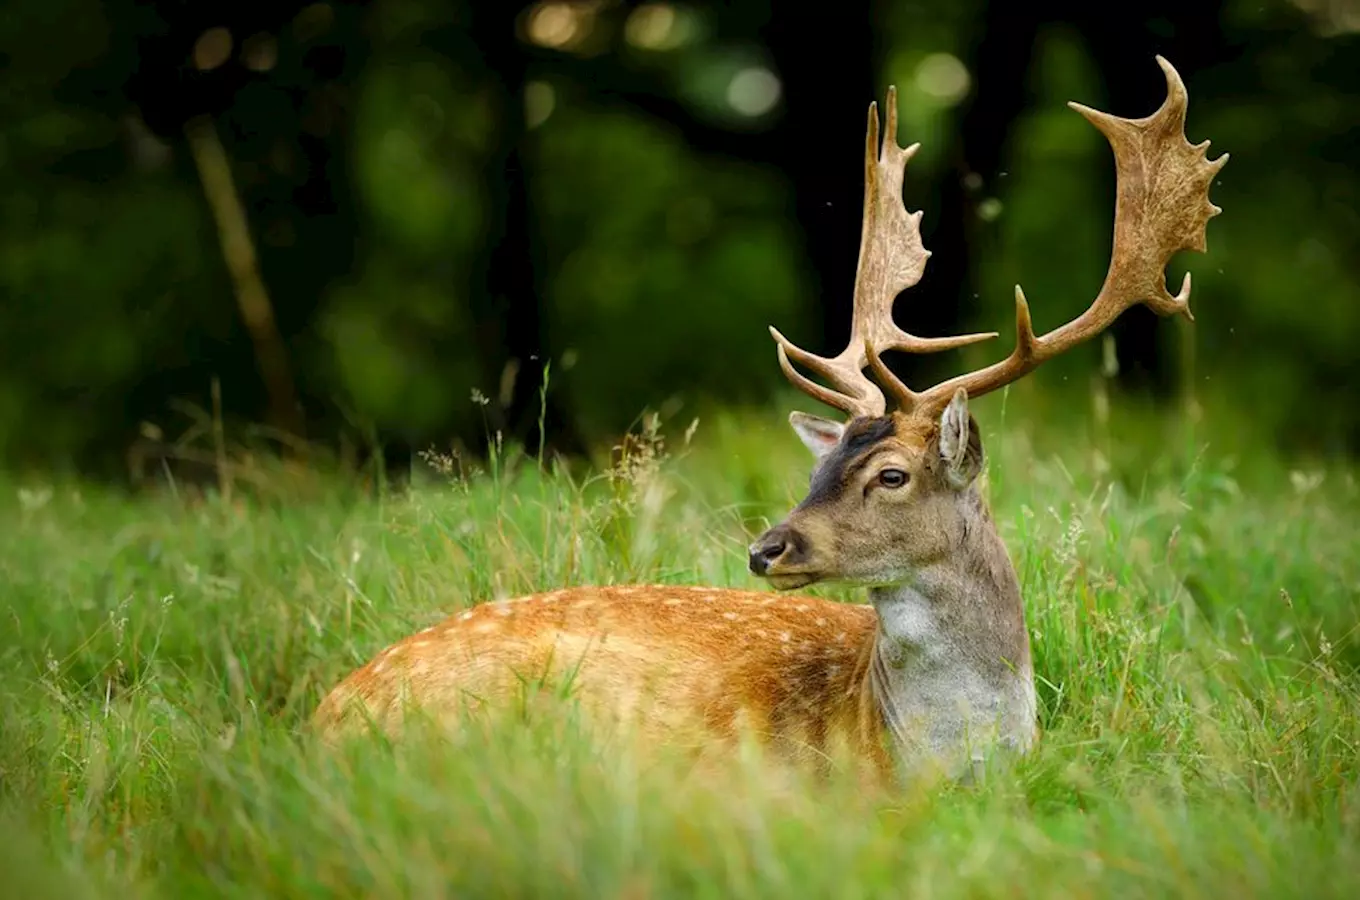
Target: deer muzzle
[{"x": 778, "y": 551}]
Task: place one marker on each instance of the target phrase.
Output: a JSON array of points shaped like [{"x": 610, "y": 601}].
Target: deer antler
[
  {"x": 891, "y": 259},
  {"x": 1161, "y": 207}
]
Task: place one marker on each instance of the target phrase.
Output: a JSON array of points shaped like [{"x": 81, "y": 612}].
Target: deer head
[
  {"x": 884, "y": 499},
  {"x": 893, "y": 491}
]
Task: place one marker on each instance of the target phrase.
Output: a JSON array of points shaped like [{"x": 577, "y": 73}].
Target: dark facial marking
[{"x": 861, "y": 435}]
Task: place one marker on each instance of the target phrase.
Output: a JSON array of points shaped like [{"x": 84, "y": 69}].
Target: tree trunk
[
  {"x": 830, "y": 72},
  {"x": 508, "y": 300},
  {"x": 998, "y": 65}
]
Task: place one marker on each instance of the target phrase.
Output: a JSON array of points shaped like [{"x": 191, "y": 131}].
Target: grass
[{"x": 1192, "y": 600}]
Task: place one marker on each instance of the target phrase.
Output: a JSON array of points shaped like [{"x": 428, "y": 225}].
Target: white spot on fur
[
  {"x": 416, "y": 645},
  {"x": 800, "y": 608},
  {"x": 673, "y": 601},
  {"x": 426, "y": 630},
  {"x": 582, "y": 604},
  {"x": 464, "y": 616},
  {"x": 485, "y": 627},
  {"x": 709, "y": 598},
  {"x": 841, "y": 637},
  {"x": 379, "y": 665},
  {"x": 821, "y": 623},
  {"x": 731, "y": 615},
  {"x": 784, "y": 636},
  {"x": 760, "y": 632}
]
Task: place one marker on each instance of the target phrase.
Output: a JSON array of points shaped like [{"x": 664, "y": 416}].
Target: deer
[{"x": 935, "y": 670}]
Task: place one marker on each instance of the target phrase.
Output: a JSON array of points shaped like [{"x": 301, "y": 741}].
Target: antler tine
[
  {"x": 891, "y": 259},
  {"x": 1161, "y": 207},
  {"x": 856, "y": 395}
]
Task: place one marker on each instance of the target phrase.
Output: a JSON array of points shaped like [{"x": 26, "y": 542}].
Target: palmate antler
[
  {"x": 1161, "y": 207},
  {"x": 891, "y": 259}
]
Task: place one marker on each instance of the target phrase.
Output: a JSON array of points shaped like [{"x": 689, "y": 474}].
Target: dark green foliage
[{"x": 435, "y": 199}]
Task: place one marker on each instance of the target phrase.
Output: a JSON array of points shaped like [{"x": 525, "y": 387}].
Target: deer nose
[{"x": 769, "y": 548}]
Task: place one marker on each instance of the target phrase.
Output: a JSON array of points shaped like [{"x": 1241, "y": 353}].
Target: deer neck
[{"x": 951, "y": 667}]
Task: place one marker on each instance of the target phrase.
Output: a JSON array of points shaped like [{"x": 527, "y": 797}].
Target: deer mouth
[{"x": 787, "y": 581}]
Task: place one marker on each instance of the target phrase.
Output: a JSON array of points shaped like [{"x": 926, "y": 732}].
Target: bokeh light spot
[
  {"x": 654, "y": 26},
  {"x": 944, "y": 77},
  {"x": 539, "y": 101},
  {"x": 212, "y": 49},
  {"x": 754, "y": 91},
  {"x": 989, "y": 210},
  {"x": 555, "y": 25},
  {"x": 260, "y": 52}
]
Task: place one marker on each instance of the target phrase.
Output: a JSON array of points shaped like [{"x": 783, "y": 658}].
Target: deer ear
[
  {"x": 960, "y": 443},
  {"x": 817, "y": 434}
]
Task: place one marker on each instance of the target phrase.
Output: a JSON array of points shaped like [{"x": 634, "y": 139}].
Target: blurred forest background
[{"x": 374, "y": 224}]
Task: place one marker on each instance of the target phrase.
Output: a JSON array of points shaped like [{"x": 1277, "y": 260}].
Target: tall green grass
[{"x": 1192, "y": 600}]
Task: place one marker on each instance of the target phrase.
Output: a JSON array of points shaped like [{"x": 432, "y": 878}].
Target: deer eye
[{"x": 893, "y": 478}]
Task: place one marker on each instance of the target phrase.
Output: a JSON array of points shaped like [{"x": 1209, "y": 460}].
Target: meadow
[{"x": 1192, "y": 596}]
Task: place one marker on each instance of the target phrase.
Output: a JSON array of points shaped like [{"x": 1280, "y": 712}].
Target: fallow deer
[{"x": 937, "y": 666}]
